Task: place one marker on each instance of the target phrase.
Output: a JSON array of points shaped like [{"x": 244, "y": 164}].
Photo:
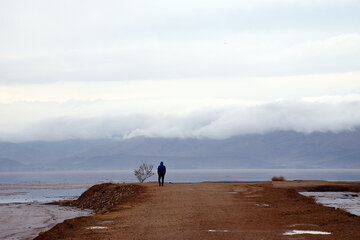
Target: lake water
[
  {"x": 43, "y": 195},
  {"x": 30, "y": 194},
  {"x": 179, "y": 175}
]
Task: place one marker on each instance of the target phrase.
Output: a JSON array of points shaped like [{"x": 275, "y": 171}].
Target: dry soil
[{"x": 228, "y": 210}]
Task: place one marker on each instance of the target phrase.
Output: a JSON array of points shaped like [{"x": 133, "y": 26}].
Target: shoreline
[
  {"x": 24, "y": 216},
  {"x": 27, "y": 220},
  {"x": 45, "y": 186}
]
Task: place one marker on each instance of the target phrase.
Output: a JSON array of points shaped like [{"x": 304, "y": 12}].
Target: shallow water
[
  {"x": 23, "y": 213},
  {"x": 38, "y": 195},
  {"x": 26, "y": 220},
  {"x": 298, "y": 232},
  {"x": 348, "y": 201},
  {"x": 97, "y": 227}
]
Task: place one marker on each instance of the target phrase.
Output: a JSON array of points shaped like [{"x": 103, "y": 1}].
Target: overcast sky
[{"x": 119, "y": 69}]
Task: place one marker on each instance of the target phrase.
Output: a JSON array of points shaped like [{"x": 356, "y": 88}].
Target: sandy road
[{"x": 215, "y": 211}]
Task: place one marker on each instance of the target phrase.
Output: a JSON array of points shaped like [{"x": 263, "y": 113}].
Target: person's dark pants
[{"x": 161, "y": 177}]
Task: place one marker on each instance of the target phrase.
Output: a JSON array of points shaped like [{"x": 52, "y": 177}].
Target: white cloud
[
  {"x": 47, "y": 41},
  {"x": 216, "y": 122},
  {"x": 239, "y": 57},
  {"x": 177, "y": 68},
  {"x": 295, "y": 116},
  {"x": 189, "y": 92},
  {"x": 215, "y": 108},
  {"x": 343, "y": 44}
]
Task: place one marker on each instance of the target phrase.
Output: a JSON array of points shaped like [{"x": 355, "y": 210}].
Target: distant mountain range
[{"x": 278, "y": 149}]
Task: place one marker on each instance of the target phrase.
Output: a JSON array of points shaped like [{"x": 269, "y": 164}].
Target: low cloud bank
[{"x": 216, "y": 123}]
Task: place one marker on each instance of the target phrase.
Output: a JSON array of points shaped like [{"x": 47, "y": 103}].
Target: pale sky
[{"x": 216, "y": 69}]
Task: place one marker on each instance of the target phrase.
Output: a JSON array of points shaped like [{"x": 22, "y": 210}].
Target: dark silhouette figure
[{"x": 161, "y": 172}]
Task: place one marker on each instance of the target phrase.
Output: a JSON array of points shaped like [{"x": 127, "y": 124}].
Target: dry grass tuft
[{"x": 280, "y": 178}]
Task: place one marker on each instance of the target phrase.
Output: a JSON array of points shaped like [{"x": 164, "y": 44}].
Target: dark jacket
[{"x": 161, "y": 169}]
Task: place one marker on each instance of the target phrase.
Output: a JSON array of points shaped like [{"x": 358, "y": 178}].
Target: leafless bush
[
  {"x": 143, "y": 172},
  {"x": 280, "y": 178}
]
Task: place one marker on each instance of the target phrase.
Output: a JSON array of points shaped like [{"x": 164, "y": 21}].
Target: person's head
[{"x": 161, "y": 163}]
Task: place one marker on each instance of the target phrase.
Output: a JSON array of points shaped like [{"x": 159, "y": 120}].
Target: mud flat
[{"x": 214, "y": 210}]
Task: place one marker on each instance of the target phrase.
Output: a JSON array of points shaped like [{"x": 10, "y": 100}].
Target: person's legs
[
  {"x": 162, "y": 180},
  {"x": 159, "y": 180}
]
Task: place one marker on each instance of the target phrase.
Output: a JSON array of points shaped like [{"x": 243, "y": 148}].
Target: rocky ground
[{"x": 105, "y": 197}]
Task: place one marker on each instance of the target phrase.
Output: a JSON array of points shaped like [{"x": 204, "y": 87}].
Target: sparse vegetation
[
  {"x": 279, "y": 178},
  {"x": 143, "y": 172}
]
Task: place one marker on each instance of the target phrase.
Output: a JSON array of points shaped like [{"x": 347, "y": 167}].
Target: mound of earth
[{"x": 104, "y": 197}]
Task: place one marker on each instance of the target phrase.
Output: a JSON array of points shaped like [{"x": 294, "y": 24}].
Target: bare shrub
[
  {"x": 143, "y": 172},
  {"x": 280, "y": 178}
]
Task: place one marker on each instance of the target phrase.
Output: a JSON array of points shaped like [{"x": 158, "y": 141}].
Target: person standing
[{"x": 161, "y": 172}]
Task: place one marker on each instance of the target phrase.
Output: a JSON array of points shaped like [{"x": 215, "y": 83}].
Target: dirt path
[{"x": 215, "y": 211}]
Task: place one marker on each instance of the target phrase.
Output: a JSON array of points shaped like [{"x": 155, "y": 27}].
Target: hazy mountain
[
  {"x": 7, "y": 164},
  {"x": 40, "y": 152},
  {"x": 279, "y": 149}
]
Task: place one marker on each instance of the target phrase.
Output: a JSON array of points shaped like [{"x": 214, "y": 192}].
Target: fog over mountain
[
  {"x": 279, "y": 149},
  {"x": 308, "y": 133},
  {"x": 220, "y": 121}
]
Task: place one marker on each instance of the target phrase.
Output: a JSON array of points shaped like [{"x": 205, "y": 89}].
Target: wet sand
[{"x": 222, "y": 210}]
